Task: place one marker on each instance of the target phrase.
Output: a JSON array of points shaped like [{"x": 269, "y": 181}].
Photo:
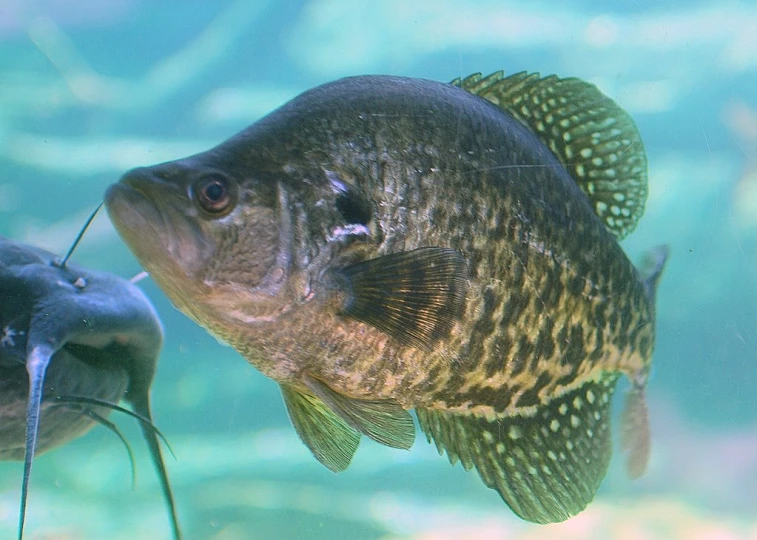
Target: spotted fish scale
[{"x": 538, "y": 316}]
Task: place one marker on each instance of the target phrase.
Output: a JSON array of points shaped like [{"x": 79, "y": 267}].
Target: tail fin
[
  {"x": 635, "y": 440},
  {"x": 651, "y": 270}
]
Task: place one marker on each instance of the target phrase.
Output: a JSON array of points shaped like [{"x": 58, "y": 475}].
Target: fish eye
[{"x": 215, "y": 195}]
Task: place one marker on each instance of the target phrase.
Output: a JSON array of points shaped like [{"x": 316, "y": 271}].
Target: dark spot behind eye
[{"x": 354, "y": 208}]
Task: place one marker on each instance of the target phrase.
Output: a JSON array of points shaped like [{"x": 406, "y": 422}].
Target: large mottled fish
[
  {"x": 73, "y": 343},
  {"x": 380, "y": 244}
]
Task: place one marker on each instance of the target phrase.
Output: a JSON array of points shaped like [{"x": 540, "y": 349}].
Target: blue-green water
[{"x": 91, "y": 88}]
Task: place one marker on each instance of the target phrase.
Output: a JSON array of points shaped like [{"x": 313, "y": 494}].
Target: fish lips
[
  {"x": 158, "y": 232},
  {"x": 130, "y": 209}
]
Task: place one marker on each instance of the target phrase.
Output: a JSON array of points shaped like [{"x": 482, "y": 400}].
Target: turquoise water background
[{"x": 91, "y": 88}]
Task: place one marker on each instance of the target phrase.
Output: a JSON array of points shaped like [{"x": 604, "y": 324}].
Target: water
[{"x": 91, "y": 88}]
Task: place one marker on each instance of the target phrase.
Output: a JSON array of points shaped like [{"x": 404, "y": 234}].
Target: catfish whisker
[
  {"x": 62, "y": 263},
  {"x": 112, "y": 406},
  {"x": 139, "y": 277},
  {"x": 112, "y": 427}
]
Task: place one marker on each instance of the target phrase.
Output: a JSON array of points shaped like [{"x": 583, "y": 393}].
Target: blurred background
[{"x": 90, "y": 88}]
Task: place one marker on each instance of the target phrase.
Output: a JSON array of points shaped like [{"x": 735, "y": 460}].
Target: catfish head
[{"x": 74, "y": 343}]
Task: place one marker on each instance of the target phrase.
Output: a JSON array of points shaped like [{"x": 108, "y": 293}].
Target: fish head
[{"x": 216, "y": 233}]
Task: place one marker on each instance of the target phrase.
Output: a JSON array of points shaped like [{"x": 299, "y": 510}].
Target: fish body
[
  {"x": 381, "y": 244},
  {"x": 73, "y": 343}
]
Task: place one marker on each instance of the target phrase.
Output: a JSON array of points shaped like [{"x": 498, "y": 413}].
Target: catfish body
[
  {"x": 28, "y": 281},
  {"x": 66, "y": 376},
  {"x": 381, "y": 244},
  {"x": 73, "y": 343}
]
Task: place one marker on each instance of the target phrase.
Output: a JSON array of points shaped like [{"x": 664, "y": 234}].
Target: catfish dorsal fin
[{"x": 596, "y": 140}]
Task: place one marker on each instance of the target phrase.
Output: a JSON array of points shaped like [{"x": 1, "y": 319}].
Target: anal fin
[
  {"x": 383, "y": 420},
  {"x": 331, "y": 440},
  {"x": 547, "y": 467}
]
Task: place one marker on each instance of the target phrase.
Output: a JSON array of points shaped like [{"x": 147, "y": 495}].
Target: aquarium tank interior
[{"x": 90, "y": 89}]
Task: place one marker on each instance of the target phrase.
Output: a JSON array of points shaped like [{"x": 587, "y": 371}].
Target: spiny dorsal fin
[
  {"x": 331, "y": 440},
  {"x": 383, "y": 420},
  {"x": 414, "y": 296},
  {"x": 546, "y": 467},
  {"x": 596, "y": 140}
]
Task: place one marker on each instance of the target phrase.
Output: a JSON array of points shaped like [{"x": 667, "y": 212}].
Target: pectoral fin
[
  {"x": 331, "y": 440},
  {"x": 414, "y": 296},
  {"x": 383, "y": 420}
]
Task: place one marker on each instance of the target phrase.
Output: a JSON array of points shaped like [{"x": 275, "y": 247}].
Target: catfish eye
[{"x": 215, "y": 195}]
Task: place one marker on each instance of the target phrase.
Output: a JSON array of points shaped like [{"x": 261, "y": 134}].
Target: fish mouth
[
  {"x": 130, "y": 206},
  {"x": 152, "y": 217},
  {"x": 136, "y": 217}
]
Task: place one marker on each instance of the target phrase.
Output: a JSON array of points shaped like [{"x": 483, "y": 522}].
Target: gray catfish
[
  {"x": 73, "y": 343},
  {"x": 380, "y": 244}
]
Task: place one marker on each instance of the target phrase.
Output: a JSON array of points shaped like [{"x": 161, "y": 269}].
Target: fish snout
[
  {"x": 147, "y": 190},
  {"x": 151, "y": 180}
]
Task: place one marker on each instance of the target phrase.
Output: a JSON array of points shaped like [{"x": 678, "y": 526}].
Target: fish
[
  {"x": 74, "y": 342},
  {"x": 383, "y": 244}
]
